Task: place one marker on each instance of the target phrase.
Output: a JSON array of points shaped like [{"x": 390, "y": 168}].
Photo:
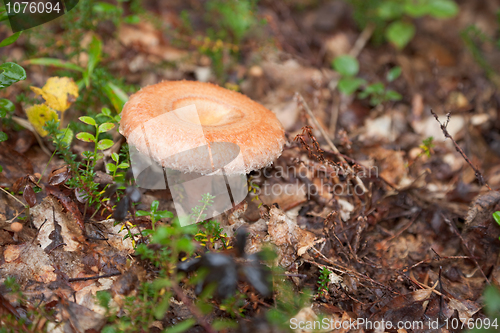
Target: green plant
[
  {"x": 496, "y": 217},
  {"x": 197, "y": 212},
  {"x": 473, "y": 37},
  {"x": 10, "y": 73},
  {"x": 288, "y": 302},
  {"x": 154, "y": 214},
  {"x": 393, "y": 18},
  {"x": 82, "y": 178},
  {"x": 210, "y": 233},
  {"x": 253, "y": 188},
  {"x": 233, "y": 18},
  {"x": 348, "y": 67},
  {"x": 491, "y": 297},
  {"x": 427, "y": 145},
  {"x": 323, "y": 281},
  {"x": 153, "y": 298},
  {"x": 91, "y": 77}
]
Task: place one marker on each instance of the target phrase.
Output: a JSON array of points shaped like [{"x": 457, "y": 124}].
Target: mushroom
[
  {"x": 16, "y": 228},
  {"x": 199, "y": 138}
]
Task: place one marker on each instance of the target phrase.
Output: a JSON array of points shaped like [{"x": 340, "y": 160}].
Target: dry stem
[
  {"x": 332, "y": 146},
  {"x": 444, "y": 128}
]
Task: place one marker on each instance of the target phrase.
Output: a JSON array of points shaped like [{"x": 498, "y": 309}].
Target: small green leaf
[
  {"x": 106, "y": 112},
  {"x": 348, "y": 85},
  {"x": 400, "y": 33},
  {"x": 161, "y": 308},
  {"x": 496, "y": 216},
  {"x": 117, "y": 96},
  {"x": 163, "y": 214},
  {"x": 66, "y": 136},
  {"x": 346, "y": 65},
  {"x": 141, "y": 213},
  {"x": 6, "y": 106},
  {"x": 389, "y": 10},
  {"x": 3, "y": 137},
  {"x": 103, "y": 7},
  {"x": 111, "y": 167},
  {"x": 104, "y": 144},
  {"x": 375, "y": 88},
  {"x": 442, "y": 8},
  {"x": 11, "y": 73},
  {"x": 11, "y": 39},
  {"x": 4, "y": 16},
  {"x": 84, "y": 136},
  {"x": 87, "y": 120},
  {"x": 392, "y": 95},
  {"x": 54, "y": 62},
  {"x": 106, "y": 127},
  {"x": 95, "y": 50},
  {"x": 492, "y": 300},
  {"x": 132, "y": 19},
  {"x": 416, "y": 9},
  {"x": 181, "y": 327},
  {"x": 124, "y": 165},
  {"x": 393, "y": 73},
  {"x": 115, "y": 157},
  {"x": 154, "y": 205}
]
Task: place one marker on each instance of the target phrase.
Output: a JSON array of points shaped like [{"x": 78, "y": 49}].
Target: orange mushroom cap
[{"x": 160, "y": 122}]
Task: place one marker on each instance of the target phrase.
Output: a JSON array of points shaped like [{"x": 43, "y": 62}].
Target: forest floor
[{"x": 380, "y": 208}]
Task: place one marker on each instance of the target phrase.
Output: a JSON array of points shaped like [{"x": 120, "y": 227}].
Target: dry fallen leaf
[
  {"x": 58, "y": 92},
  {"x": 38, "y": 115},
  {"x": 285, "y": 233}
]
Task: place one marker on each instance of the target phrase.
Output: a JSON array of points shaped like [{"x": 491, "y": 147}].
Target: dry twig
[
  {"x": 444, "y": 128},
  {"x": 303, "y": 103}
]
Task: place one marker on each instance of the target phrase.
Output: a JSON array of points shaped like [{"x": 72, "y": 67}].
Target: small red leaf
[{"x": 29, "y": 196}]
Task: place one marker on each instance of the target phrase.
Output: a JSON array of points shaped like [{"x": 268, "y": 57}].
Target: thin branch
[
  {"x": 8, "y": 193},
  {"x": 95, "y": 277},
  {"x": 444, "y": 128},
  {"x": 471, "y": 255},
  {"x": 332, "y": 146},
  {"x": 194, "y": 310}
]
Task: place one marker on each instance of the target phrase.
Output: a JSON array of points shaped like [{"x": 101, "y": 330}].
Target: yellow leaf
[
  {"x": 38, "y": 115},
  {"x": 58, "y": 92}
]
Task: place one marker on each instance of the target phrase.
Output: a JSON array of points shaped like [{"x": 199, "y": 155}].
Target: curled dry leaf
[
  {"x": 20, "y": 182},
  {"x": 481, "y": 209},
  {"x": 59, "y": 176},
  {"x": 68, "y": 204}
]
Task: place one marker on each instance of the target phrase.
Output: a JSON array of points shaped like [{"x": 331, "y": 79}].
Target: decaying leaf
[
  {"x": 58, "y": 92},
  {"x": 38, "y": 115},
  {"x": 481, "y": 209},
  {"x": 27, "y": 262},
  {"x": 69, "y": 230},
  {"x": 59, "y": 176},
  {"x": 286, "y": 233}
]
